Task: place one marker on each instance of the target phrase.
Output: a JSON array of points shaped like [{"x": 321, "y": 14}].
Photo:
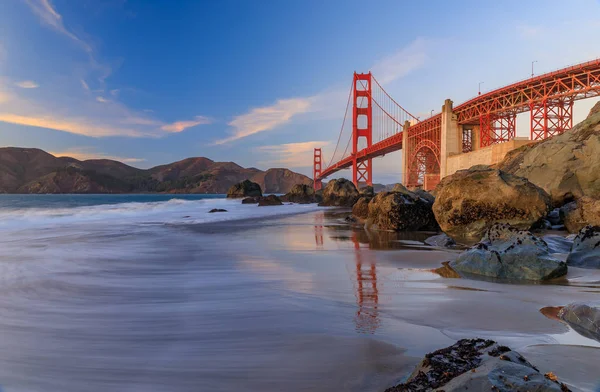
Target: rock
[
  {"x": 251, "y": 200},
  {"x": 367, "y": 191},
  {"x": 558, "y": 243},
  {"x": 477, "y": 365},
  {"x": 566, "y": 166},
  {"x": 583, "y": 318},
  {"x": 425, "y": 195},
  {"x": 340, "y": 192},
  {"x": 244, "y": 189},
  {"x": 585, "y": 252},
  {"x": 580, "y": 213},
  {"x": 270, "y": 200},
  {"x": 360, "y": 209},
  {"x": 400, "y": 212},
  {"x": 509, "y": 254},
  {"x": 440, "y": 241},
  {"x": 301, "y": 194},
  {"x": 216, "y": 210},
  {"x": 554, "y": 217},
  {"x": 404, "y": 190},
  {"x": 470, "y": 201}
]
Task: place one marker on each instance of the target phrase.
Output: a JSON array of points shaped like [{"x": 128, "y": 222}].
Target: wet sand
[{"x": 297, "y": 303}]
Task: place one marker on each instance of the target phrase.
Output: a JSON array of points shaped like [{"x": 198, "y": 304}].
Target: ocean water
[{"x": 152, "y": 293}]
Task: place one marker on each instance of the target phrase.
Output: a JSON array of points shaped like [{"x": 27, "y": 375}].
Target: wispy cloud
[
  {"x": 85, "y": 86},
  {"x": 291, "y": 154},
  {"x": 401, "y": 63},
  {"x": 266, "y": 118},
  {"x": 27, "y": 84},
  {"x": 85, "y": 153},
  {"x": 79, "y": 126},
  {"x": 102, "y": 99},
  {"x": 51, "y": 18},
  {"x": 179, "y": 126}
]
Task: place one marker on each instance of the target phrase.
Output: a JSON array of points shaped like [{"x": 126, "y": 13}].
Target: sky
[{"x": 260, "y": 83}]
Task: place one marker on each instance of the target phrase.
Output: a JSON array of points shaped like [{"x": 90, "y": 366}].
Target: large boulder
[
  {"x": 400, "y": 212},
  {"x": 301, "y": 194},
  {"x": 270, "y": 200},
  {"x": 566, "y": 166},
  {"x": 478, "y": 365},
  {"x": 507, "y": 253},
  {"x": 245, "y": 188},
  {"x": 367, "y": 191},
  {"x": 470, "y": 201},
  {"x": 583, "y": 318},
  {"x": 360, "y": 209},
  {"x": 340, "y": 192},
  {"x": 578, "y": 214},
  {"x": 585, "y": 252},
  {"x": 441, "y": 241}
]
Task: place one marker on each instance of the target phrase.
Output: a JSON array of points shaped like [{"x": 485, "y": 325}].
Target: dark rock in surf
[
  {"x": 216, "y": 210},
  {"x": 585, "y": 252},
  {"x": 270, "y": 200},
  {"x": 245, "y": 188}
]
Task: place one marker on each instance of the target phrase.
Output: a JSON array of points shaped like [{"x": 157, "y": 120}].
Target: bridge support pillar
[
  {"x": 405, "y": 168},
  {"x": 551, "y": 117},
  {"x": 362, "y": 127},
  {"x": 451, "y": 136},
  {"x": 317, "y": 166},
  {"x": 497, "y": 128}
]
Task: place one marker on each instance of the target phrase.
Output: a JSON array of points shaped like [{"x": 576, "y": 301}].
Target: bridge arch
[{"x": 424, "y": 161}]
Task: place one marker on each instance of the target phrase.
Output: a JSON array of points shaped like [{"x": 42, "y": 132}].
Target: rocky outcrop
[
  {"x": 216, "y": 210},
  {"x": 470, "y": 201},
  {"x": 251, "y": 200},
  {"x": 585, "y": 252},
  {"x": 398, "y": 211},
  {"x": 301, "y": 194},
  {"x": 280, "y": 180},
  {"x": 478, "y": 365},
  {"x": 583, "y": 318},
  {"x": 578, "y": 214},
  {"x": 441, "y": 241},
  {"x": 245, "y": 188},
  {"x": 566, "y": 166},
  {"x": 367, "y": 191},
  {"x": 507, "y": 253},
  {"x": 270, "y": 200},
  {"x": 340, "y": 192},
  {"x": 425, "y": 195},
  {"x": 360, "y": 209}
]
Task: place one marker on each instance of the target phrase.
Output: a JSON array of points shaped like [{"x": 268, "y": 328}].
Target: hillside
[{"x": 31, "y": 170}]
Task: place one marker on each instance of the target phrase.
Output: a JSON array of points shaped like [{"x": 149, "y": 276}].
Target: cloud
[
  {"x": 266, "y": 118},
  {"x": 291, "y": 154},
  {"x": 179, "y": 126},
  {"x": 48, "y": 16},
  {"x": 72, "y": 125},
  {"x": 102, "y": 99},
  {"x": 84, "y": 85},
  {"x": 85, "y": 153},
  {"x": 27, "y": 84},
  {"x": 114, "y": 92},
  {"x": 402, "y": 62}
]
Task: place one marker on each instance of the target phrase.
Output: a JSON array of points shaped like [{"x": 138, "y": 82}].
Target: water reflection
[
  {"x": 367, "y": 293},
  {"x": 318, "y": 220}
]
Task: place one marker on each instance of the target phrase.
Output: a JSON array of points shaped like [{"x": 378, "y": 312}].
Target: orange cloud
[
  {"x": 27, "y": 84},
  {"x": 179, "y": 126},
  {"x": 292, "y": 154}
]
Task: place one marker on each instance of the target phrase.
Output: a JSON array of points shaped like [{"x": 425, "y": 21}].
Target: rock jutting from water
[
  {"x": 507, "y": 253},
  {"x": 399, "y": 211},
  {"x": 245, "y": 188},
  {"x": 580, "y": 213},
  {"x": 470, "y": 201},
  {"x": 301, "y": 194},
  {"x": 216, "y": 210},
  {"x": 585, "y": 252},
  {"x": 270, "y": 200},
  {"x": 583, "y": 318},
  {"x": 340, "y": 193},
  {"x": 441, "y": 241},
  {"x": 478, "y": 365},
  {"x": 360, "y": 209}
]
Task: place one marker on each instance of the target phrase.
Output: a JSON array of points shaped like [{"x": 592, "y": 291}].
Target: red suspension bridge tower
[{"x": 362, "y": 127}]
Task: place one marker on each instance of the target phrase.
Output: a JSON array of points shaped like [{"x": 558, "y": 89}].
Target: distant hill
[{"x": 31, "y": 170}]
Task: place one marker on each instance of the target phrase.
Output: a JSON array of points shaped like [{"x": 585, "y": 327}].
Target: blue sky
[{"x": 258, "y": 82}]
